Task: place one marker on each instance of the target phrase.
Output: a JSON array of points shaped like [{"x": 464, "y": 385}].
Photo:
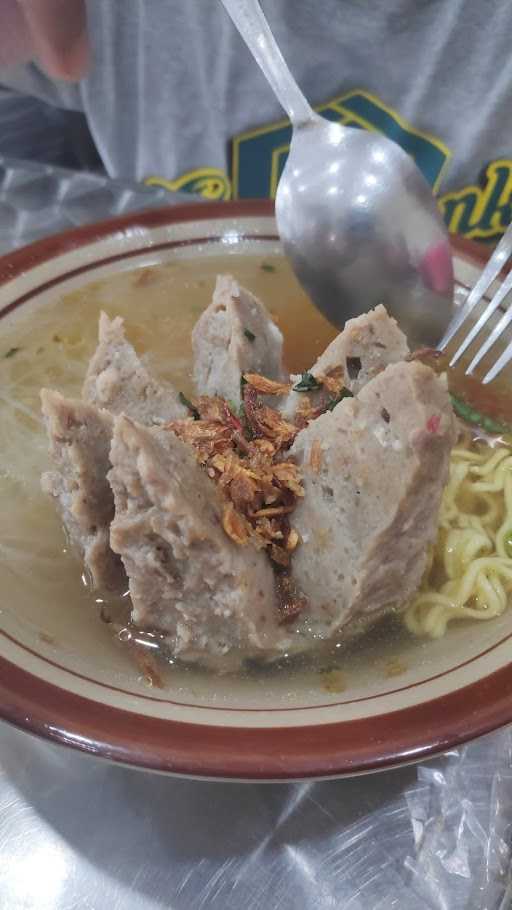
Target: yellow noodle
[{"x": 469, "y": 572}]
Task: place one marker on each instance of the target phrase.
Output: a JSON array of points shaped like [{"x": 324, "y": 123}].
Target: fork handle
[{"x": 248, "y": 18}]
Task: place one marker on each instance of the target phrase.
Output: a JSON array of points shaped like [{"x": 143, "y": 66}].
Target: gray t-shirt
[{"x": 173, "y": 95}]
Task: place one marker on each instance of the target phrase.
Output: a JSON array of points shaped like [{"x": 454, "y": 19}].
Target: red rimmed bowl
[{"x": 62, "y": 674}]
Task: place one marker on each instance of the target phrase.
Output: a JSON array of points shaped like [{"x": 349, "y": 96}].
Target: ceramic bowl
[{"x": 63, "y": 678}]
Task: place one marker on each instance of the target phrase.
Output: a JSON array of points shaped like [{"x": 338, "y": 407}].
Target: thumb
[{"x": 58, "y": 30}]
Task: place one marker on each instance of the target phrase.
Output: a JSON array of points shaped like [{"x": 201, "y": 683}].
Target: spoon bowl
[
  {"x": 360, "y": 226},
  {"x": 356, "y": 217}
]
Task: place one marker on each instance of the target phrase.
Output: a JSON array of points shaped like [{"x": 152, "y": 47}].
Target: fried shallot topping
[
  {"x": 291, "y": 602},
  {"x": 267, "y": 423},
  {"x": 333, "y": 381},
  {"x": 245, "y": 455},
  {"x": 306, "y": 412},
  {"x": 329, "y": 390},
  {"x": 267, "y": 386}
]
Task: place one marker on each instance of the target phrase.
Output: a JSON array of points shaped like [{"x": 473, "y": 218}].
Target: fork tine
[
  {"x": 499, "y": 296},
  {"x": 496, "y": 333},
  {"x": 491, "y": 271},
  {"x": 500, "y": 364}
]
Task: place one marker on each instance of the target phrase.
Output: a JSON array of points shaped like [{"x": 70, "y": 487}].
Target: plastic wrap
[{"x": 38, "y": 200}]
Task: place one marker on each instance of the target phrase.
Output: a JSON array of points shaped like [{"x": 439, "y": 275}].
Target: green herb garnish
[
  {"x": 188, "y": 404},
  {"x": 238, "y": 410},
  {"x": 267, "y": 267},
  {"x": 11, "y": 352},
  {"x": 244, "y": 420},
  {"x": 466, "y": 412},
  {"x": 249, "y": 335},
  {"x": 345, "y": 393},
  {"x": 307, "y": 383},
  {"x": 507, "y": 543}
]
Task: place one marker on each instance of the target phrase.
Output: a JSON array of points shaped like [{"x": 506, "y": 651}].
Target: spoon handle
[{"x": 248, "y": 18}]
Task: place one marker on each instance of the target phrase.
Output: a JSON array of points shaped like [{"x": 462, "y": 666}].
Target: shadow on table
[{"x": 162, "y": 835}]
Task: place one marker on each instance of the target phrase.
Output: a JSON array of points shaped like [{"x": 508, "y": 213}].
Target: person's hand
[{"x": 51, "y": 32}]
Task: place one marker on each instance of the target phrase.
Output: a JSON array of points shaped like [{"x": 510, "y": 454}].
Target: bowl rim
[{"x": 240, "y": 753}]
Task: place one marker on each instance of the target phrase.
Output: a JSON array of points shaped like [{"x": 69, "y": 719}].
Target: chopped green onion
[
  {"x": 466, "y": 412},
  {"x": 11, "y": 352},
  {"x": 242, "y": 416},
  {"x": 267, "y": 267},
  {"x": 249, "y": 335},
  {"x": 507, "y": 543},
  {"x": 188, "y": 404},
  {"x": 307, "y": 383},
  {"x": 345, "y": 393}
]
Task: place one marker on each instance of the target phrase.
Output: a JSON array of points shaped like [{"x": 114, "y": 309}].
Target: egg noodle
[{"x": 470, "y": 569}]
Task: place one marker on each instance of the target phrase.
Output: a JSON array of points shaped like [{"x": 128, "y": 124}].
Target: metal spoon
[{"x": 356, "y": 217}]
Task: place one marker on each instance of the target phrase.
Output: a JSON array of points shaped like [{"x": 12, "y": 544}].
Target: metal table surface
[{"x": 77, "y": 833}]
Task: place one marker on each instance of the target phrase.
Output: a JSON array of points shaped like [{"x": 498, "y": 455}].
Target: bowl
[{"x": 62, "y": 674}]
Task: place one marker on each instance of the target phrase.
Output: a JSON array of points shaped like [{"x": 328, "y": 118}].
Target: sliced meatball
[
  {"x": 80, "y": 436},
  {"x": 374, "y": 471},
  {"x": 234, "y": 335},
  {"x": 187, "y": 578},
  {"x": 363, "y": 349},
  {"x": 118, "y": 381}
]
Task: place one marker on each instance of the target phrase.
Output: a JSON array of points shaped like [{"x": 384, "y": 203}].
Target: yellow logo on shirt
[
  {"x": 258, "y": 157},
  {"x": 482, "y": 212},
  {"x": 209, "y": 182}
]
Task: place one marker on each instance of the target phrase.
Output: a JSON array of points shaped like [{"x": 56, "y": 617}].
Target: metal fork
[{"x": 489, "y": 274}]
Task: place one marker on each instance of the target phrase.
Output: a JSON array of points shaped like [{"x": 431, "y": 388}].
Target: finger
[
  {"x": 15, "y": 40},
  {"x": 58, "y": 29}
]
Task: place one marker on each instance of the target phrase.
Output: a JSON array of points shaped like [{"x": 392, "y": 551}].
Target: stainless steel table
[{"x": 80, "y": 834}]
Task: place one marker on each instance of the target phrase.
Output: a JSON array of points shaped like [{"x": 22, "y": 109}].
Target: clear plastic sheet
[
  {"x": 37, "y": 200},
  {"x": 80, "y": 834},
  {"x": 462, "y": 821}
]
